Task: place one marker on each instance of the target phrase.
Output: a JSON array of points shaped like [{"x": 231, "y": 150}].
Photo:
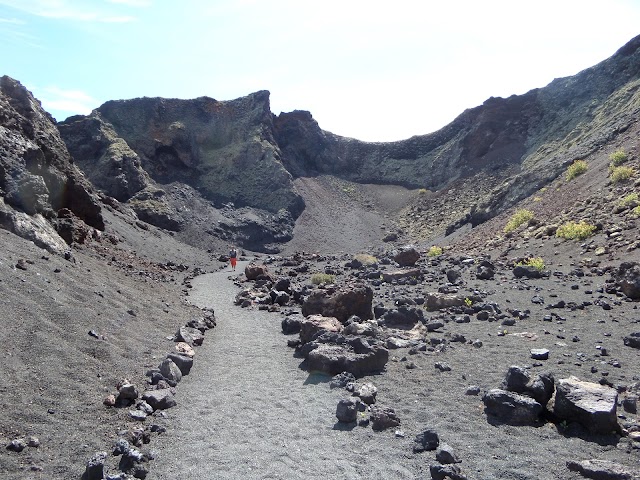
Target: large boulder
[
  {"x": 437, "y": 300},
  {"x": 627, "y": 277},
  {"x": 353, "y": 299},
  {"x": 253, "y": 271},
  {"x": 337, "y": 358},
  {"x": 590, "y": 404},
  {"x": 396, "y": 275},
  {"x": 402, "y": 317},
  {"x": 511, "y": 408},
  {"x": 406, "y": 257},
  {"x": 540, "y": 387}
]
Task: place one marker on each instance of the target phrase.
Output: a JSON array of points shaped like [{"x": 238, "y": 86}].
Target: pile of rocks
[{"x": 158, "y": 396}]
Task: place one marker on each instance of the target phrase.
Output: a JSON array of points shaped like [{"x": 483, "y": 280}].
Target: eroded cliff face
[
  {"x": 42, "y": 194},
  {"x": 225, "y": 149}
]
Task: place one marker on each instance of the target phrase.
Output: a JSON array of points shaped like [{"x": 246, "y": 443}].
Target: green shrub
[
  {"x": 629, "y": 199},
  {"x": 575, "y": 231},
  {"x": 434, "y": 251},
  {"x": 366, "y": 259},
  {"x": 618, "y": 158},
  {"x": 636, "y": 211},
  {"x": 621, "y": 174},
  {"x": 319, "y": 278},
  {"x": 576, "y": 168},
  {"x": 423, "y": 191},
  {"x": 518, "y": 218},
  {"x": 535, "y": 262}
]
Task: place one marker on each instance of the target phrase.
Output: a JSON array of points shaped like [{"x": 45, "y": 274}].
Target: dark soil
[{"x": 248, "y": 410}]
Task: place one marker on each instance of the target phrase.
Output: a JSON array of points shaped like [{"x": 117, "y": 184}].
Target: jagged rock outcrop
[
  {"x": 37, "y": 178},
  {"x": 225, "y": 150}
]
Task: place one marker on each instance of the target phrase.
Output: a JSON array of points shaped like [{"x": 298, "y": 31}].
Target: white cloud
[
  {"x": 133, "y": 3},
  {"x": 63, "y": 103},
  {"x": 74, "y": 10},
  {"x": 11, "y": 21}
]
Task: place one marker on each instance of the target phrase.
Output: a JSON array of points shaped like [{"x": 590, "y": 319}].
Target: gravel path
[{"x": 247, "y": 411}]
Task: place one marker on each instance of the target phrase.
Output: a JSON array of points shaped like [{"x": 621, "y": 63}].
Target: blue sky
[{"x": 372, "y": 70}]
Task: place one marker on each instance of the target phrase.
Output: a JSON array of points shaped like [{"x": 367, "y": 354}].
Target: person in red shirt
[{"x": 233, "y": 258}]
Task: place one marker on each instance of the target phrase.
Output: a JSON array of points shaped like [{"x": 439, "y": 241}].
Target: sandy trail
[{"x": 248, "y": 411}]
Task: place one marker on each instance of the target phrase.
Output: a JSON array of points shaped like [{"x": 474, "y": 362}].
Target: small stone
[
  {"x": 95, "y": 467},
  {"x": 446, "y": 455},
  {"x": 347, "y": 411},
  {"x": 426, "y": 441},
  {"x": 472, "y": 390},
  {"x": 367, "y": 393},
  {"x": 33, "y": 442},
  {"x": 16, "y": 445},
  {"x": 446, "y": 472},
  {"x": 137, "y": 415},
  {"x": 383, "y": 417},
  {"x": 442, "y": 366},
  {"x": 540, "y": 353}
]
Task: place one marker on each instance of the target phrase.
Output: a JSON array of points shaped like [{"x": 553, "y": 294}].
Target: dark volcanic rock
[
  {"x": 334, "y": 359},
  {"x": 347, "y": 411},
  {"x": 426, "y": 441},
  {"x": 349, "y": 300},
  {"x": 406, "y": 257},
  {"x": 383, "y": 418},
  {"x": 511, "y": 408},
  {"x": 446, "y": 472},
  {"x": 627, "y": 278},
  {"x": 632, "y": 340},
  {"x": 159, "y": 399},
  {"x": 403, "y": 317},
  {"x": 95, "y": 467}
]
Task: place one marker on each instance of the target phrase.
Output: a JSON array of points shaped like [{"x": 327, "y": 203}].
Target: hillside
[{"x": 107, "y": 219}]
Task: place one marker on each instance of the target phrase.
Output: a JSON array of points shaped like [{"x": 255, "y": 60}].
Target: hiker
[{"x": 233, "y": 258}]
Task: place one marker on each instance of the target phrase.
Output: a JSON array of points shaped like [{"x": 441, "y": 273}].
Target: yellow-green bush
[
  {"x": 576, "y": 168},
  {"x": 434, "y": 251},
  {"x": 366, "y": 259},
  {"x": 423, "y": 191},
  {"x": 621, "y": 174},
  {"x": 535, "y": 262},
  {"x": 575, "y": 230},
  {"x": 318, "y": 278},
  {"x": 520, "y": 217},
  {"x": 636, "y": 211},
  {"x": 618, "y": 158},
  {"x": 629, "y": 199}
]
